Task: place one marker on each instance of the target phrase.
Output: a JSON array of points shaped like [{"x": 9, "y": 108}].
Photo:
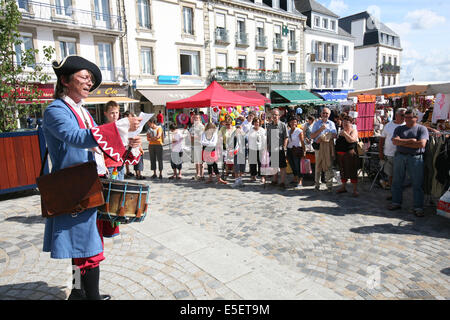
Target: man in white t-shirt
[{"x": 386, "y": 148}]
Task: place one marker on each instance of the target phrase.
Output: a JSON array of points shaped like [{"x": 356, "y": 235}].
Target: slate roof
[
  {"x": 312, "y": 5},
  {"x": 346, "y": 22}
]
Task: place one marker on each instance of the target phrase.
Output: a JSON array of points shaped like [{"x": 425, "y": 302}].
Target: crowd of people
[
  {"x": 264, "y": 147},
  {"x": 266, "y": 143}
]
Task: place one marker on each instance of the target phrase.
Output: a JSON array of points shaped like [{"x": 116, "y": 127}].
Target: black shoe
[
  {"x": 154, "y": 176},
  {"x": 105, "y": 297},
  {"x": 77, "y": 294},
  {"x": 160, "y": 177}
]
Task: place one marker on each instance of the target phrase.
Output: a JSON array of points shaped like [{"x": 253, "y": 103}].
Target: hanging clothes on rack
[
  {"x": 436, "y": 165},
  {"x": 429, "y": 170},
  {"x": 442, "y": 165}
]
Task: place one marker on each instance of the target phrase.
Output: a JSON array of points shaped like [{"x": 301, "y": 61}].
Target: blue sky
[{"x": 424, "y": 29}]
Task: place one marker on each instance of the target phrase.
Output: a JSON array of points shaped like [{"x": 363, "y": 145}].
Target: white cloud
[
  {"x": 418, "y": 63},
  {"x": 423, "y": 19},
  {"x": 430, "y": 65},
  {"x": 338, "y": 6}
]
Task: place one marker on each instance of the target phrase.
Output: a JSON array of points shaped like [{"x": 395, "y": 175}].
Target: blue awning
[{"x": 333, "y": 95}]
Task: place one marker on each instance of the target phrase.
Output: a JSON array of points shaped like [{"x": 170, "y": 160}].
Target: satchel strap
[{"x": 43, "y": 162}]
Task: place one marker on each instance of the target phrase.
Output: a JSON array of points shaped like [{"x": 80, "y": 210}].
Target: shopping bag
[
  {"x": 266, "y": 170},
  {"x": 288, "y": 168},
  {"x": 360, "y": 148},
  {"x": 305, "y": 166},
  {"x": 443, "y": 205}
]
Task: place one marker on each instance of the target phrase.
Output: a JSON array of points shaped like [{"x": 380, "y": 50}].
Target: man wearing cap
[{"x": 72, "y": 138}]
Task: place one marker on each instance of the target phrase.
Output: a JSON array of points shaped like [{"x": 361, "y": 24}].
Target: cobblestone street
[{"x": 205, "y": 241}]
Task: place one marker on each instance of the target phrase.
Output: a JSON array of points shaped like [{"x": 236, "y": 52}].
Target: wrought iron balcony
[
  {"x": 278, "y": 44},
  {"x": 242, "y": 39},
  {"x": 292, "y": 46},
  {"x": 261, "y": 42},
  {"x": 109, "y": 74},
  {"x": 221, "y": 36},
  {"x": 389, "y": 68},
  {"x": 328, "y": 84},
  {"x": 328, "y": 58},
  {"x": 245, "y": 75},
  {"x": 114, "y": 74},
  {"x": 41, "y": 11}
]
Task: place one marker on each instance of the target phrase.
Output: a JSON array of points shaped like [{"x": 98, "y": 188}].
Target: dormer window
[
  {"x": 333, "y": 25},
  {"x": 325, "y": 23},
  {"x": 317, "y": 21}
]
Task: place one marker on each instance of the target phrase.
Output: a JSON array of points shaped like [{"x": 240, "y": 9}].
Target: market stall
[
  {"x": 432, "y": 101},
  {"x": 219, "y": 100}
]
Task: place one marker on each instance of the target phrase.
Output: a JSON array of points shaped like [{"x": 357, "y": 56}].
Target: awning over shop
[
  {"x": 295, "y": 97},
  {"x": 102, "y": 100},
  {"x": 333, "y": 95},
  {"x": 425, "y": 88},
  {"x": 214, "y": 95},
  {"x": 252, "y": 94},
  {"x": 161, "y": 97}
]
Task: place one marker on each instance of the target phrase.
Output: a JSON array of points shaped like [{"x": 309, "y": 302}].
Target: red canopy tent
[
  {"x": 252, "y": 94},
  {"x": 214, "y": 96}
]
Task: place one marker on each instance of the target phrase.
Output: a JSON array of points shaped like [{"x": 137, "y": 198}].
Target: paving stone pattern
[{"x": 352, "y": 246}]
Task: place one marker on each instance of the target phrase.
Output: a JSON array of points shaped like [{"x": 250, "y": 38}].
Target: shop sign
[
  {"x": 168, "y": 79},
  {"x": 110, "y": 91},
  {"x": 44, "y": 91}
]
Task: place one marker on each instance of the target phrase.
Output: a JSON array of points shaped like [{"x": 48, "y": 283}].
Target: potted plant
[{"x": 21, "y": 150}]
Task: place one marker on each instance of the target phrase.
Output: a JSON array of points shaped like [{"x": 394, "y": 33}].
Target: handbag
[
  {"x": 443, "y": 205},
  {"x": 360, "y": 148},
  {"x": 305, "y": 166},
  {"x": 70, "y": 190},
  {"x": 297, "y": 151},
  {"x": 316, "y": 146}
]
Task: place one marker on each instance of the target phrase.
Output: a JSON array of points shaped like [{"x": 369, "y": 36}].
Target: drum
[{"x": 125, "y": 202}]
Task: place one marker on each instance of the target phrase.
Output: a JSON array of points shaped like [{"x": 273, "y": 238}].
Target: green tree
[{"x": 19, "y": 72}]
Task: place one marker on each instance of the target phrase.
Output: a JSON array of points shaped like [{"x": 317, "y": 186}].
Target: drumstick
[{"x": 124, "y": 159}]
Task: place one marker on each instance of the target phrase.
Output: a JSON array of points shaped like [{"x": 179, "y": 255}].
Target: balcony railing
[
  {"x": 278, "y": 44},
  {"x": 221, "y": 36},
  {"x": 328, "y": 84},
  {"x": 292, "y": 46},
  {"x": 113, "y": 74},
  {"x": 328, "y": 58},
  {"x": 234, "y": 75},
  {"x": 261, "y": 42},
  {"x": 242, "y": 39},
  {"x": 40, "y": 11},
  {"x": 389, "y": 68}
]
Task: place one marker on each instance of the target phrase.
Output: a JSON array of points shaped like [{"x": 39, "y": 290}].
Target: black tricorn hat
[{"x": 73, "y": 63}]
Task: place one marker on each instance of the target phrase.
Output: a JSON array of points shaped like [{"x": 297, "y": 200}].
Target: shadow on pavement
[
  {"x": 433, "y": 229},
  {"x": 38, "y": 290},
  {"x": 19, "y": 194},
  {"x": 26, "y": 220}
]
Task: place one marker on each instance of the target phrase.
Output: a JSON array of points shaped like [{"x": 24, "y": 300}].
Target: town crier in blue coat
[{"x": 72, "y": 138}]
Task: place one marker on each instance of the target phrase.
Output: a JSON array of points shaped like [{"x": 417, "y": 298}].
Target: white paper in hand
[{"x": 145, "y": 117}]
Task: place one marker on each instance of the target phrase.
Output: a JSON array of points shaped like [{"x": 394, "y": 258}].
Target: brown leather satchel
[{"x": 70, "y": 190}]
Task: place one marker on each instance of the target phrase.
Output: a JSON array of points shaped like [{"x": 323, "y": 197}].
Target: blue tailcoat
[{"x": 67, "y": 236}]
